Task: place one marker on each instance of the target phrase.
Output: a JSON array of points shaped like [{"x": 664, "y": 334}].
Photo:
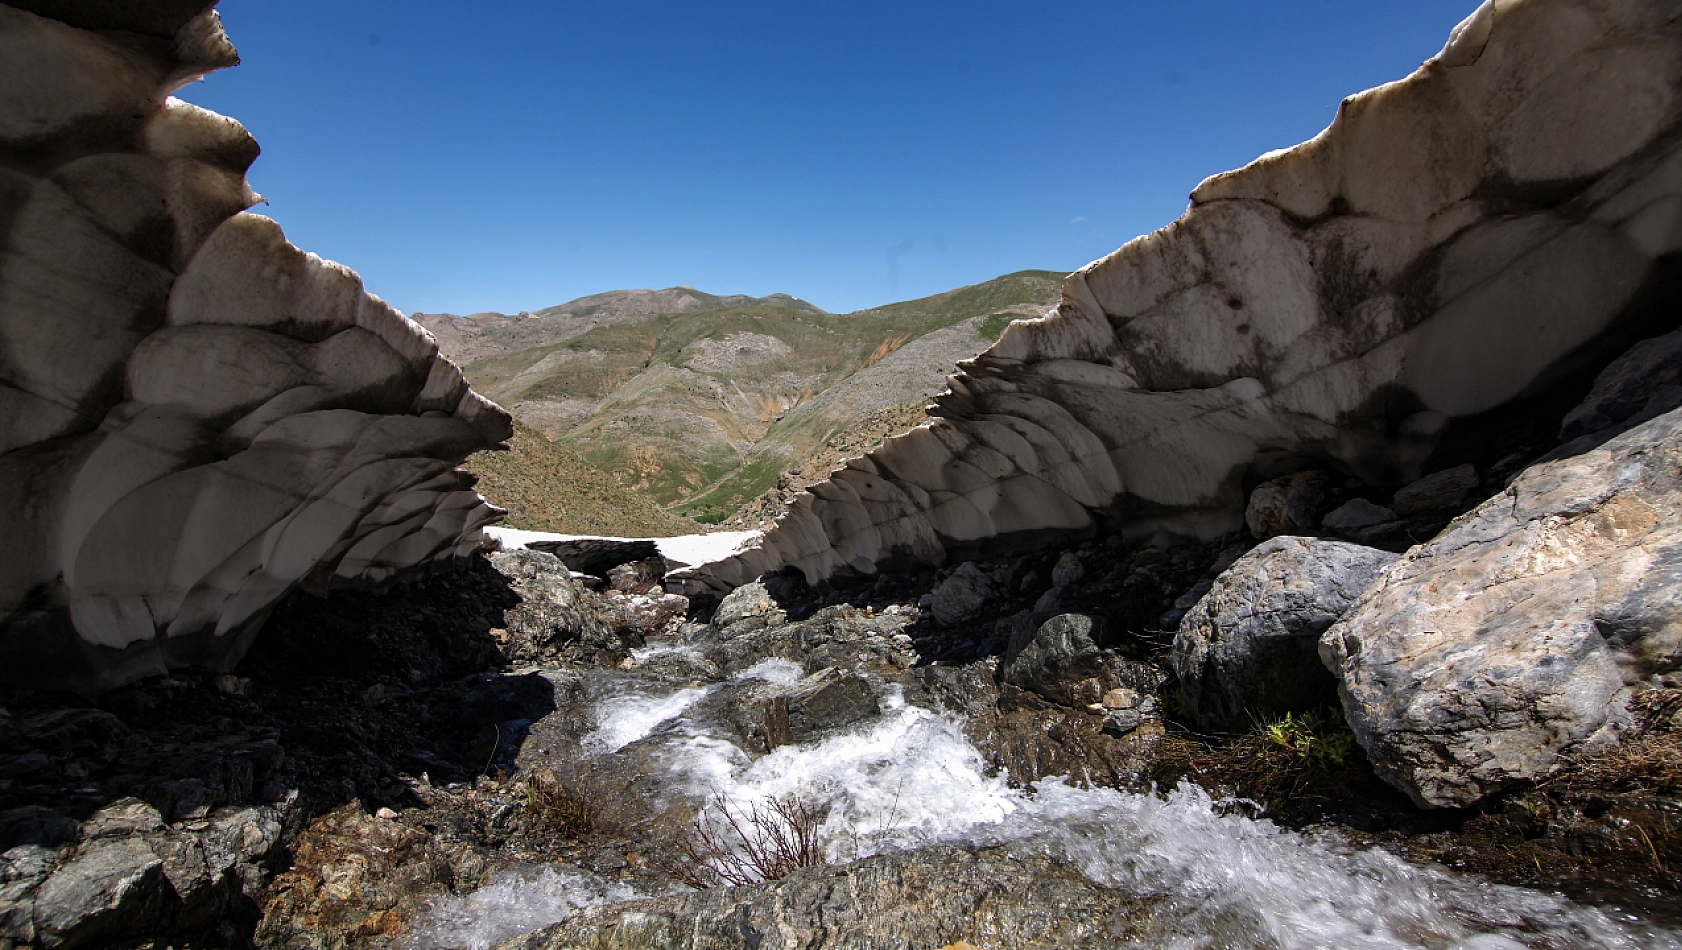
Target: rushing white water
[
  {"x": 910, "y": 778},
  {"x": 515, "y": 901},
  {"x": 624, "y": 717}
]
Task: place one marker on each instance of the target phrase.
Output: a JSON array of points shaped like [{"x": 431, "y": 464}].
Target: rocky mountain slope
[
  {"x": 702, "y": 401},
  {"x": 544, "y": 487}
]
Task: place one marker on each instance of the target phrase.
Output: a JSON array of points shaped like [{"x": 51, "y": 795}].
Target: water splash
[
  {"x": 515, "y": 901},
  {"x": 623, "y": 717}
]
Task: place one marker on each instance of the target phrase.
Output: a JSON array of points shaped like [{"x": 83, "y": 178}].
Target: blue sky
[{"x": 511, "y": 156}]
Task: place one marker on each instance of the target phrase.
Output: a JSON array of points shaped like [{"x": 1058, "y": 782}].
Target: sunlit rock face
[
  {"x": 1499, "y": 220},
  {"x": 196, "y": 417}
]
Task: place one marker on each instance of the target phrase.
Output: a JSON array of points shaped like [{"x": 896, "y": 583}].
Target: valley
[{"x": 701, "y": 402}]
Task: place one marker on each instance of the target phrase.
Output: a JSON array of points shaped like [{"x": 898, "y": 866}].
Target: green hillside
[{"x": 700, "y": 401}]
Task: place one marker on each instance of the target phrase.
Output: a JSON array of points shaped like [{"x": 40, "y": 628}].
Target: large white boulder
[
  {"x": 196, "y": 417},
  {"x": 1519, "y": 634},
  {"x": 1452, "y": 242}
]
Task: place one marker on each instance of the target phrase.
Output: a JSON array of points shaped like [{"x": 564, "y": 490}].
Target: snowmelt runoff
[{"x": 910, "y": 778}]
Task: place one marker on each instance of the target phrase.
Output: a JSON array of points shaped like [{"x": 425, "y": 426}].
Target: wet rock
[
  {"x": 1355, "y": 514},
  {"x": 114, "y": 887},
  {"x": 1642, "y": 383},
  {"x": 1287, "y": 505},
  {"x": 827, "y": 700},
  {"x": 1063, "y": 662},
  {"x": 1436, "y": 492},
  {"x": 1516, "y": 635},
  {"x": 962, "y": 595},
  {"x": 1250, "y": 646},
  {"x": 841, "y": 636},
  {"x": 929, "y": 898}
]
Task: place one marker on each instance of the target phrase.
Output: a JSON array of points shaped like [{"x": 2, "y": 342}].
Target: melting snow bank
[
  {"x": 911, "y": 779},
  {"x": 690, "y": 549}
]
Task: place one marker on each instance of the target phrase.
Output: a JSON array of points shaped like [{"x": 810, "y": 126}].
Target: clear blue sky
[{"x": 511, "y": 156}]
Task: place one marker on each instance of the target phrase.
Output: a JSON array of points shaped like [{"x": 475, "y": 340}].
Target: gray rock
[
  {"x": 920, "y": 899},
  {"x": 1287, "y": 505},
  {"x": 962, "y": 595},
  {"x": 556, "y": 616},
  {"x": 749, "y": 601},
  {"x": 1063, "y": 662},
  {"x": 1249, "y": 646},
  {"x": 114, "y": 887},
  {"x": 1642, "y": 383},
  {"x": 1516, "y": 635},
  {"x": 1068, "y": 570},
  {"x": 828, "y": 700},
  {"x": 1436, "y": 491},
  {"x": 1355, "y": 514},
  {"x": 1120, "y": 722},
  {"x": 35, "y": 824},
  {"x": 122, "y": 818}
]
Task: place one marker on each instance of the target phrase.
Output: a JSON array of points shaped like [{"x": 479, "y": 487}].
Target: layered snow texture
[
  {"x": 196, "y": 417},
  {"x": 1448, "y": 244}
]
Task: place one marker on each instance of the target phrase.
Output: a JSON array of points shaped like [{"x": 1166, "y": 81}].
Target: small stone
[
  {"x": 230, "y": 685},
  {"x": 1121, "y": 698},
  {"x": 1120, "y": 722},
  {"x": 386, "y": 813}
]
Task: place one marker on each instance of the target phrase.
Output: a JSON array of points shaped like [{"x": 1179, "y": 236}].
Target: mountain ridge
[{"x": 702, "y": 401}]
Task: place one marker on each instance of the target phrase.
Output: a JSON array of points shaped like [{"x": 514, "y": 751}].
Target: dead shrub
[
  {"x": 1649, "y": 759},
  {"x": 765, "y": 843},
  {"x": 558, "y": 806}
]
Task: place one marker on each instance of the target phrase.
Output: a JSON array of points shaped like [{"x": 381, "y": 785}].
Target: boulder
[
  {"x": 1249, "y": 647},
  {"x": 1436, "y": 492},
  {"x": 1516, "y": 636},
  {"x": 1064, "y": 663},
  {"x": 962, "y": 595},
  {"x": 114, "y": 887},
  {"x": 1642, "y": 383},
  {"x": 1358, "y": 302},
  {"x": 1287, "y": 505},
  {"x": 748, "y": 602},
  {"x": 1355, "y": 514},
  {"x": 196, "y": 417},
  {"x": 827, "y": 700},
  {"x": 557, "y": 617}
]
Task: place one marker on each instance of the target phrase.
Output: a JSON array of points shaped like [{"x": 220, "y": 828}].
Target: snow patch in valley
[{"x": 689, "y": 549}]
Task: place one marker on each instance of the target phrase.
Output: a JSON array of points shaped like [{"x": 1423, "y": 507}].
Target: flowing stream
[{"x": 910, "y": 778}]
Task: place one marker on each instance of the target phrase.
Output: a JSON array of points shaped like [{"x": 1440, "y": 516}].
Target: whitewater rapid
[{"x": 910, "y": 778}]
